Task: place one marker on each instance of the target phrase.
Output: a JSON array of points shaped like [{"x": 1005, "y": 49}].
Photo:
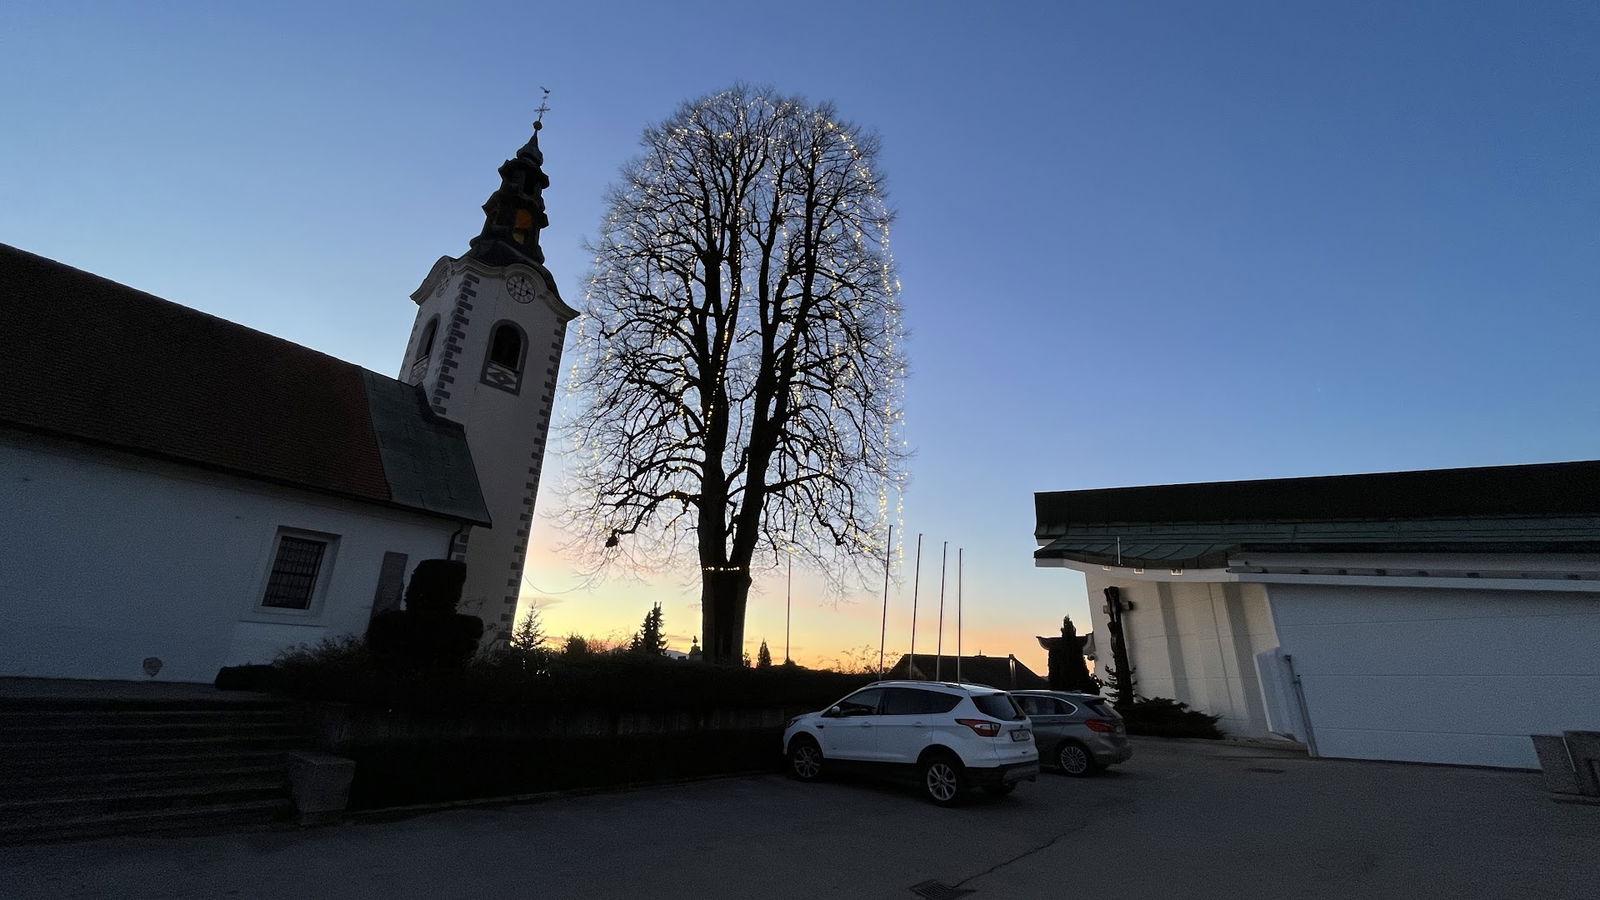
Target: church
[{"x": 182, "y": 493}]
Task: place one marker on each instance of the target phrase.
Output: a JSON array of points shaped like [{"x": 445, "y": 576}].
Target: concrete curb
[{"x": 1248, "y": 743}]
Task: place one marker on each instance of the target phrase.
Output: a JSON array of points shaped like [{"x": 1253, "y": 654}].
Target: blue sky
[{"x": 1140, "y": 242}]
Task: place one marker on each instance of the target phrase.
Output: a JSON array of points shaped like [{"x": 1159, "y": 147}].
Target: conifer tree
[
  {"x": 529, "y": 635},
  {"x": 526, "y": 648},
  {"x": 649, "y": 641},
  {"x": 764, "y": 656}
]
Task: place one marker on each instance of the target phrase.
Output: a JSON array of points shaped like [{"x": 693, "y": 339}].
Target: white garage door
[{"x": 1439, "y": 675}]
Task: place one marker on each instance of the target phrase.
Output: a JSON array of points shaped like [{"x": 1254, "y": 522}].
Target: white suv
[{"x": 951, "y": 736}]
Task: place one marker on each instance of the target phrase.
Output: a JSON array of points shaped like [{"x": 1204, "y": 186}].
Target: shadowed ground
[{"x": 1181, "y": 820}]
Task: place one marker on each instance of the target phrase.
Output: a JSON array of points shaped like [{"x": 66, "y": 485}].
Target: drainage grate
[
  {"x": 1266, "y": 771},
  {"x": 938, "y": 890}
]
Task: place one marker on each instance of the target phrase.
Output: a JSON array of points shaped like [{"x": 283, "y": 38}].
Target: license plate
[{"x": 1021, "y": 734}]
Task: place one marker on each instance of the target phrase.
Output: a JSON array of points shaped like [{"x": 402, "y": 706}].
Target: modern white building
[
  {"x": 1436, "y": 616},
  {"x": 179, "y": 493}
]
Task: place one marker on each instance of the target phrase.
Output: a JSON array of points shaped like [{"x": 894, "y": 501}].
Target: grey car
[{"x": 1078, "y": 733}]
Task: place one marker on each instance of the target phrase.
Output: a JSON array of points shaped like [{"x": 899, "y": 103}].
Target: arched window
[
  {"x": 502, "y": 366},
  {"x": 419, "y": 363},
  {"x": 506, "y": 347},
  {"x": 524, "y": 224},
  {"x": 429, "y": 332}
]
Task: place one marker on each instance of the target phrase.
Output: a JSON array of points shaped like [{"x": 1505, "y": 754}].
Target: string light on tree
[{"x": 731, "y": 335}]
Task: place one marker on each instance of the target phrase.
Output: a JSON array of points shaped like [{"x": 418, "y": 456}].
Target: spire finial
[
  {"x": 544, "y": 107},
  {"x": 514, "y": 214}
]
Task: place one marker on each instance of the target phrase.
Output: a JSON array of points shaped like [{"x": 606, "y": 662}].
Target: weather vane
[{"x": 544, "y": 107}]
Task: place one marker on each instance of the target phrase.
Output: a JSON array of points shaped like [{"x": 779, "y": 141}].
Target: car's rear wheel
[
  {"x": 1075, "y": 759},
  {"x": 805, "y": 759},
  {"x": 943, "y": 779}
]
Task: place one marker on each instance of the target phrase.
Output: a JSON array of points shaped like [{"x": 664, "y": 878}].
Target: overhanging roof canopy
[{"x": 1548, "y": 508}]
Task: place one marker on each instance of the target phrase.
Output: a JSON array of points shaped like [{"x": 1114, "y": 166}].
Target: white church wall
[
  {"x": 108, "y": 559},
  {"x": 1441, "y": 675}
]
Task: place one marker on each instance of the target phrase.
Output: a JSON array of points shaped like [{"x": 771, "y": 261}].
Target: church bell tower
[{"x": 485, "y": 348}]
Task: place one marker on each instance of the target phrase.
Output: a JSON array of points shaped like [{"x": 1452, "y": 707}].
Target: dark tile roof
[
  {"x": 1004, "y": 672},
  {"x": 1549, "y": 507},
  {"x": 96, "y": 361},
  {"x": 1565, "y": 488}
]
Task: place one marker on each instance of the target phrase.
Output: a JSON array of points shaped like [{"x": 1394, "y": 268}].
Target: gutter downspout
[{"x": 1300, "y": 699}]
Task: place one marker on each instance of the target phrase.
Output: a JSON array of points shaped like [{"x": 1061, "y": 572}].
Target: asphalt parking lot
[{"x": 1181, "y": 820}]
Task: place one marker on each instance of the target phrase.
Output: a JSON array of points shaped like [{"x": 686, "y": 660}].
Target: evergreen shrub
[
  {"x": 1164, "y": 717},
  {"x": 428, "y": 634}
]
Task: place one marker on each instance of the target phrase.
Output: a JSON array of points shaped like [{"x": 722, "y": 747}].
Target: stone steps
[
  {"x": 112, "y": 730},
  {"x": 163, "y": 821},
  {"x": 50, "y": 752},
  {"x": 86, "y": 718},
  {"x": 86, "y": 763},
  {"x": 91, "y": 767},
  {"x": 190, "y": 775},
  {"x": 116, "y": 799}
]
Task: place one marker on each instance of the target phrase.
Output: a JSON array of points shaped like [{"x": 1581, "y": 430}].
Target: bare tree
[{"x": 740, "y": 357}]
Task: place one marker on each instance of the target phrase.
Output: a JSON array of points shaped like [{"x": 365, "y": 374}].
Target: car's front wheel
[
  {"x": 805, "y": 759},
  {"x": 943, "y": 779},
  {"x": 1075, "y": 760}
]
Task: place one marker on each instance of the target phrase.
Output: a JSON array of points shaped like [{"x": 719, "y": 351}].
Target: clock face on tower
[{"x": 520, "y": 287}]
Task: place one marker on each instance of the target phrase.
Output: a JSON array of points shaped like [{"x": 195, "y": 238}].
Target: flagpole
[
  {"x": 938, "y": 659},
  {"x": 959, "y": 551},
  {"x": 883, "y": 629},
  {"x": 916, "y": 580}
]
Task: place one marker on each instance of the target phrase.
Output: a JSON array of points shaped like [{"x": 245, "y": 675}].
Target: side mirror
[{"x": 831, "y": 713}]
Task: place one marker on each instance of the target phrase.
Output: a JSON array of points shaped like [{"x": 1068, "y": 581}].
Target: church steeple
[
  {"x": 514, "y": 214},
  {"x": 485, "y": 351}
]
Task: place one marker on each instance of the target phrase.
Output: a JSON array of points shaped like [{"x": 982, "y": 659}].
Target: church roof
[{"x": 95, "y": 361}]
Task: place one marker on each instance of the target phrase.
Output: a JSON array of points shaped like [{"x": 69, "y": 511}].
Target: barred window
[{"x": 294, "y": 573}]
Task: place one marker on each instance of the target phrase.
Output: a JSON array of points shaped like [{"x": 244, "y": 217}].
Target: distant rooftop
[{"x": 1003, "y": 672}]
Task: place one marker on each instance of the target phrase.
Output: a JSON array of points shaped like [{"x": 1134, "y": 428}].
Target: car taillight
[
  {"x": 1100, "y": 725},
  {"x": 983, "y": 727}
]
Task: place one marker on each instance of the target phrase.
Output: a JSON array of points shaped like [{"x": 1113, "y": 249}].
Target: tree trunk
[{"x": 722, "y": 602}]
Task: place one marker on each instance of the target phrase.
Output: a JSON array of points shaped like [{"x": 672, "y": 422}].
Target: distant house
[
  {"x": 1004, "y": 672},
  {"x": 1434, "y": 616}
]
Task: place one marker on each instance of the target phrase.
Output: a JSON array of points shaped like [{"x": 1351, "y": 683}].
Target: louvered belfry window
[
  {"x": 294, "y": 573},
  {"x": 502, "y": 367}
]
